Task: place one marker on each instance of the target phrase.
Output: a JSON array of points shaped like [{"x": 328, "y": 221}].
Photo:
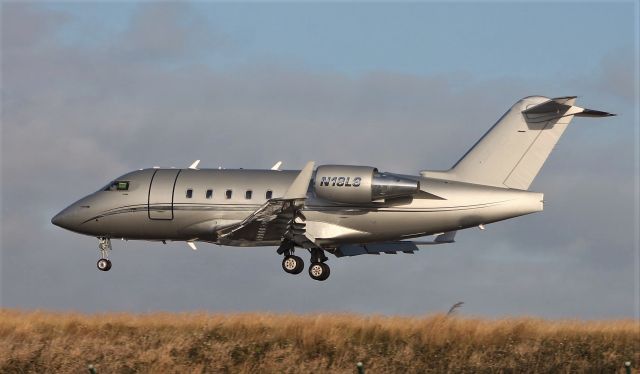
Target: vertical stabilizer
[{"x": 512, "y": 152}]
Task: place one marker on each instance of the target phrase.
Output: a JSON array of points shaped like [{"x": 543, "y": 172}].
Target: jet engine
[{"x": 360, "y": 184}]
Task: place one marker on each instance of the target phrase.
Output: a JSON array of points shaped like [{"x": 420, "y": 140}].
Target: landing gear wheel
[
  {"x": 104, "y": 246},
  {"x": 319, "y": 271},
  {"x": 104, "y": 264},
  {"x": 292, "y": 264}
]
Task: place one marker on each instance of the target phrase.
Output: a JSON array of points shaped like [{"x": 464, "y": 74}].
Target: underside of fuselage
[
  {"x": 345, "y": 210},
  {"x": 235, "y": 194},
  {"x": 249, "y": 208}
]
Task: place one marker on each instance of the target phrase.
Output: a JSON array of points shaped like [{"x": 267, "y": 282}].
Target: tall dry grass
[{"x": 270, "y": 343}]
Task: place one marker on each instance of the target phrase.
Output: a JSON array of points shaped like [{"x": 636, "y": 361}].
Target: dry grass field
[{"x": 45, "y": 342}]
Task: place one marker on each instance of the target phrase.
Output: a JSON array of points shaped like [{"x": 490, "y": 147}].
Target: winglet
[
  {"x": 298, "y": 189},
  {"x": 194, "y": 165},
  {"x": 276, "y": 166}
]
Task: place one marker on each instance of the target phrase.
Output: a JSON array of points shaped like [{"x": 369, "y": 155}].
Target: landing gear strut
[
  {"x": 318, "y": 270},
  {"x": 104, "y": 246},
  {"x": 291, "y": 264}
]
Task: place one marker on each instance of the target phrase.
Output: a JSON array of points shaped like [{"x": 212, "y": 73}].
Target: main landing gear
[
  {"x": 290, "y": 263},
  {"x": 318, "y": 270},
  {"x": 104, "y": 246},
  {"x": 293, "y": 264}
]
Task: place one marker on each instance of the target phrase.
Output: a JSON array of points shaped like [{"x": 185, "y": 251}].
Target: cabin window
[
  {"x": 117, "y": 186},
  {"x": 247, "y": 195},
  {"x": 269, "y": 194},
  {"x": 189, "y": 193},
  {"x": 209, "y": 194},
  {"x": 228, "y": 194}
]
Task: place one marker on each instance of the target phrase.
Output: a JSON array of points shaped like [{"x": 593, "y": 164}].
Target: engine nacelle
[{"x": 360, "y": 184}]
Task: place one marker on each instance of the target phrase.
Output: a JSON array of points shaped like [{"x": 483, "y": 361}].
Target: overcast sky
[{"x": 91, "y": 91}]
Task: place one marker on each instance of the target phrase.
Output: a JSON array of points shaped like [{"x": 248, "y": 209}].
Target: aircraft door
[{"x": 160, "y": 203}]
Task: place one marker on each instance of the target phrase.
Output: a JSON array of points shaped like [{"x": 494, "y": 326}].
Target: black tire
[
  {"x": 319, "y": 271},
  {"x": 292, "y": 264},
  {"x": 327, "y": 271},
  {"x": 103, "y": 264},
  {"x": 300, "y": 267}
]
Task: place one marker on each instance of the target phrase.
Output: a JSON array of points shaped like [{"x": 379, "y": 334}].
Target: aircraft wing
[
  {"x": 375, "y": 248},
  {"x": 391, "y": 247},
  {"x": 275, "y": 219}
]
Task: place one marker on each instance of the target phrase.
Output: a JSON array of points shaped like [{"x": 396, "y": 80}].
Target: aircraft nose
[
  {"x": 67, "y": 218},
  {"x": 61, "y": 219}
]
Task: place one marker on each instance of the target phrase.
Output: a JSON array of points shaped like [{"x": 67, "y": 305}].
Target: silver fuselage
[{"x": 156, "y": 207}]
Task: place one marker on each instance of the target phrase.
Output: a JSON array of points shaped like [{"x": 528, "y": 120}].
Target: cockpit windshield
[{"x": 117, "y": 186}]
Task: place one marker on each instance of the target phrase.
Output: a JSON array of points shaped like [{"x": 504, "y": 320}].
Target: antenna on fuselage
[
  {"x": 194, "y": 166},
  {"x": 277, "y": 166}
]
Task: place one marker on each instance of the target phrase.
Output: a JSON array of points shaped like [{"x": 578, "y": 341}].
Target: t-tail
[{"x": 512, "y": 152}]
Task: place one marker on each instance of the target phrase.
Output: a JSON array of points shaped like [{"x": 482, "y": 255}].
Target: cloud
[
  {"x": 614, "y": 75},
  {"x": 617, "y": 76},
  {"x": 20, "y": 35},
  {"x": 76, "y": 116},
  {"x": 167, "y": 32}
]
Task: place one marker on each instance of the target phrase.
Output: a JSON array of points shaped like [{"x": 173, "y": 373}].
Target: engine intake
[{"x": 360, "y": 184}]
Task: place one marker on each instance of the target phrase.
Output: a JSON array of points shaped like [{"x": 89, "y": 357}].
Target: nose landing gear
[
  {"x": 104, "y": 264},
  {"x": 104, "y": 246}
]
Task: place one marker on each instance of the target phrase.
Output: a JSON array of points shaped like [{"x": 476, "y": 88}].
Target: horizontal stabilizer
[
  {"x": 559, "y": 107},
  {"x": 593, "y": 113},
  {"x": 552, "y": 105}
]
